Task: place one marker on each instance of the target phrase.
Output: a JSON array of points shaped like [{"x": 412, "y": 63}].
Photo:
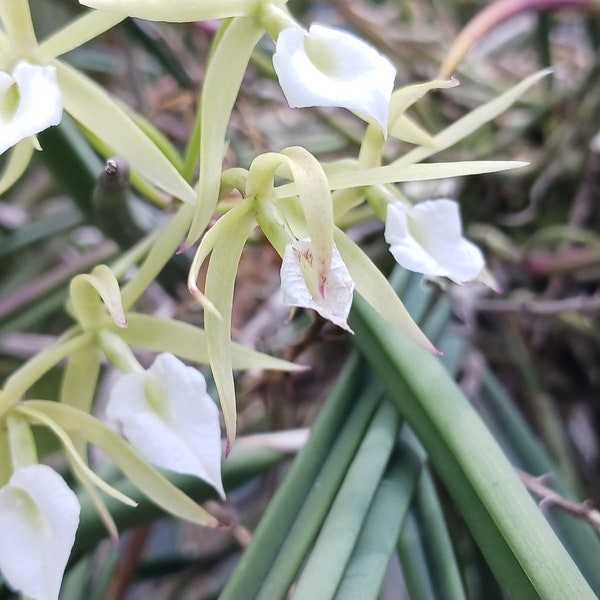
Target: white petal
[
  {"x": 329, "y": 67},
  {"x": 338, "y": 291},
  {"x": 30, "y": 101},
  {"x": 427, "y": 238},
  {"x": 39, "y": 515},
  {"x": 170, "y": 419}
]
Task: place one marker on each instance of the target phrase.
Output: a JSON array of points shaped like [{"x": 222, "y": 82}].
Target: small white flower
[
  {"x": 336, "y": 300},
  {"x": 30, "y": 101},
  {"x": 329, "y": 67},
  {"x": 39, "y": 515},
  {"x": 427, "y": 238},
  {"x": 169, "y": 418}
]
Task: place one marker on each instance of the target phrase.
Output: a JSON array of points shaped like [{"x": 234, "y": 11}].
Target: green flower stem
[
  {"x": 24, "y": 377},
  {"x": 367, "y": 566},
  {"x": 519, "y": 545},
  {"x": 321, "y": 493},
  {"x": 271, "y": 533}
]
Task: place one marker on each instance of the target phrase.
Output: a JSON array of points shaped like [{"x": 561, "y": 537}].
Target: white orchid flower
[
  {"x": 169, "y": 418},
  {"x": 30, "y": 101},
  {"x": 39, "y": 515},
  {"x": 427, "y": 238},
  {"x": 336, "y": 299},
  {"x": 329, "y": 67}
]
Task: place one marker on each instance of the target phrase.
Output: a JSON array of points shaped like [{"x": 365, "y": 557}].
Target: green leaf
[
  {"x": 519, "y": 545},
  {"x": 425, "y": 540},
  {"x": 367, "y": 567},
  {"x": 270, "y": 539},
  {"x": 341, "y": 529}
]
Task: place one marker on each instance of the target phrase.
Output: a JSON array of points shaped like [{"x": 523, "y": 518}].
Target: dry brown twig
[{"x": 550, "y": 498}]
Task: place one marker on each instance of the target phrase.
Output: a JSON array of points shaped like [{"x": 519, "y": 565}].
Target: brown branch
[{"x": 549, "y": 498}]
